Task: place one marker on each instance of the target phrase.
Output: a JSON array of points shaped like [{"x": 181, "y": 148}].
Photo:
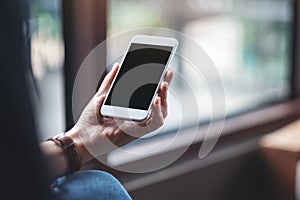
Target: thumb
[{"x": 108, "y": 80}]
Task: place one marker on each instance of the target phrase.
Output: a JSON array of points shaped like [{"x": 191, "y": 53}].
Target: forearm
[{"x": 56, "y": 158}]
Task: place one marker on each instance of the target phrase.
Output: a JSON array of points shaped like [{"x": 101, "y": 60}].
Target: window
[
  {"x": 47, "y": 56},
  {"x": 250, "y": 42}
]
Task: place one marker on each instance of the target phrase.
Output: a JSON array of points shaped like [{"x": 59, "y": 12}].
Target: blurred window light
[
  {"x": 250, "y": 42},
  {"x": 47, "y": 57}
]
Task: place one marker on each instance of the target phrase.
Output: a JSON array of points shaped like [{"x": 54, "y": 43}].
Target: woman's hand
[{"x": 96, "y": 135}]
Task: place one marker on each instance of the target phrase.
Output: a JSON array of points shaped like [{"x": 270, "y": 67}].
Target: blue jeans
[{"x": 89, "y": 184}]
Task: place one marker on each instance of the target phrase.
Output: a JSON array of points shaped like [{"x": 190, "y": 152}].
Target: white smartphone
[{"x": 141, "y": 71}]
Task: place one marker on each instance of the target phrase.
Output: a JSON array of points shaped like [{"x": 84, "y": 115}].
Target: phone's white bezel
[{"x": 138, "y": 114}]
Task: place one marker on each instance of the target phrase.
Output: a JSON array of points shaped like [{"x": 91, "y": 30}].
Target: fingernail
[
  {"x": 157, "y": 101},
  {"x": 115, "y": 65}
]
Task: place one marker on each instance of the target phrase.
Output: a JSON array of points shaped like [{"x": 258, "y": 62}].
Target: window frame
[{"x": 84, "y": 25}]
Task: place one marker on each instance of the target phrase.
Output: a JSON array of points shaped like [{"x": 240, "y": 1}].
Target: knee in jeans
[
  {"x": 106, "y": 184},
  {"x": 90, "y": 184}
]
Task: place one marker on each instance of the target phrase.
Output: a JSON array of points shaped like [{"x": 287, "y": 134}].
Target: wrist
[{"x": 74, "y": 134}]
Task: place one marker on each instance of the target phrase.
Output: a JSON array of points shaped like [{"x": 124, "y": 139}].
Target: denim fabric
[{"x": 87, "y": 185}]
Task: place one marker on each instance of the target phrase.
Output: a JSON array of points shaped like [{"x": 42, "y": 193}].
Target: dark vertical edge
[
  {"x": 101, "y": 22},
  {"x": 67, "y": 7},
  {"x": 295, "y": 75},
  {"x": 84, "y": 27}
]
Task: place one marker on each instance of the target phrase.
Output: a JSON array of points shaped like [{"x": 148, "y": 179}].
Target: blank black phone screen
[{"x": 139, "y": 76}]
